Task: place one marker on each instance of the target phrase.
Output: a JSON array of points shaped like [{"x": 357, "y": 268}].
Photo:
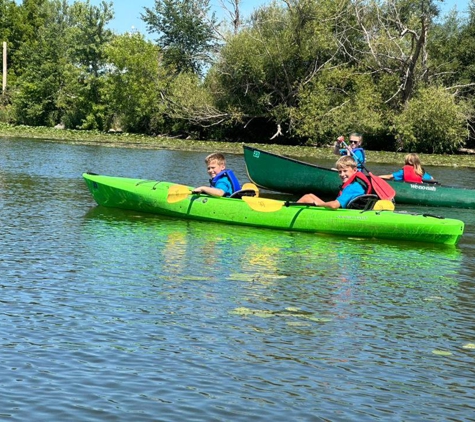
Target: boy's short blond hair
[
  {"x": 216, "y": 156},
  {"x": 346, "y": 161}
]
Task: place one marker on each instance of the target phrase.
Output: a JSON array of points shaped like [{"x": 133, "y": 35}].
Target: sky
[{"x": 127, "y": 12}]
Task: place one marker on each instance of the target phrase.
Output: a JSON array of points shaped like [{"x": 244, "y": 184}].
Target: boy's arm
[{"x": 209, "y": 191}]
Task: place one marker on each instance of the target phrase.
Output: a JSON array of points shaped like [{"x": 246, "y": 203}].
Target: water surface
[{"x": 115, "y": 315}]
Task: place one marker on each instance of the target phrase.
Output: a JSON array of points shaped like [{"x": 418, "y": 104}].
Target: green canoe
[
  {"x": 284, "y": 174},
  {"x": 177, "y": 201}
]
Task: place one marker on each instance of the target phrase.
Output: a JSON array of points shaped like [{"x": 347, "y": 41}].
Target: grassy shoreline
[{"x": 126, "y": 140}]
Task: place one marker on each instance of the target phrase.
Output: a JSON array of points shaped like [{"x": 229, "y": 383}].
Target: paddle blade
[
  {"x": 251, "y": 186},
  {"x": 383, "y": 205},
  {"x": 177, "y": 193},
  {"x": 382, "y": 188},
  {"x": 262, "y": 204}
]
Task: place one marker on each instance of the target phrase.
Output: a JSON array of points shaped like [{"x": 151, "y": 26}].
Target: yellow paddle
[
  {"x": 251, "y": 186},
  {"x": 271, "y": 205},
  {"x": 383, "y": 205},
  {"x": 177, "y": 193},
  {"x": 263, "y": 204}
]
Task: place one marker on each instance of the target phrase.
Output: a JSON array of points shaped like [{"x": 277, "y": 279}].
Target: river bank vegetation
[
  {"x": 294, "y": 73},
  {"x": 129, "y": 140}
]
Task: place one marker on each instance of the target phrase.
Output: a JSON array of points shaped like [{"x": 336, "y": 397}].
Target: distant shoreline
[{"x": 127, "y": 140}]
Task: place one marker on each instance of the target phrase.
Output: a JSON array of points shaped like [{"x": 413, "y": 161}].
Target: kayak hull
[
  {"x": 284, "y": 174},
  {"x": 161, "y": 198}
]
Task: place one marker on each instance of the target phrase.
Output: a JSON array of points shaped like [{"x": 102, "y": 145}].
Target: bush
[{"x": 432, "y": 122}]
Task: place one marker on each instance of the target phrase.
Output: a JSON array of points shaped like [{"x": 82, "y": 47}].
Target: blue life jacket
[
  {"x": 229, "y": 174},
  {"x": 362, "y": 152},
  {"x": 359, "y": 163}
]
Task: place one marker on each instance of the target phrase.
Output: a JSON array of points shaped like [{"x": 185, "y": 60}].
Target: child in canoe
[
  {"x": 223, "y": 181},
  {"x": 355, "y": 184},
  {"x": 353, "y": 148},
  {"x": 411, "y": 172}
]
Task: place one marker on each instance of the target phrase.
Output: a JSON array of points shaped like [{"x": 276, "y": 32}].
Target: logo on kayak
[
  {"x": 418, "y": 186},
  {"x": 351, "y": 217},
  {"x": 256, "y": 154}
]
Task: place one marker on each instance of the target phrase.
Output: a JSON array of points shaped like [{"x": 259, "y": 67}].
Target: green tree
[
  {"x": 461, "y": 52},
  {"x": 186, "y": 32},
  {"x": 432, "y": 122},
  {"x": 261, "y": 71},
  {"x": 88, "y": 36},
  {"x": 41, "y": 77},
  {"x": 61, "y": 80},
  {"x": 19, "y": 25},
  {"x": 339, "y": 102},
  {"x": 134, "y": 84}
]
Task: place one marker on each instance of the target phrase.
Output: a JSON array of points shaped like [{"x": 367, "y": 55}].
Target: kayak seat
[
  {"x": 243, "y": 192},
  {"x": 363, "y": 202}
]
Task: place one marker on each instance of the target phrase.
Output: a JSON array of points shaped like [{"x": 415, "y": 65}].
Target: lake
[{"x": 113, "y": 315}]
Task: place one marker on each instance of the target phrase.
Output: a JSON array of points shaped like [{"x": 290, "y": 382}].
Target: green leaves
[
  {"x": 186, "y": 33},
  {"x": 297, "y": 72},
  {"x": 133, "y": 83},
  {"x": 433, "y": 122}
]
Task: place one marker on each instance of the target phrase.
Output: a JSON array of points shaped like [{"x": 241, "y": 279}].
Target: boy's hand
[{"x": 341, "y": 139}]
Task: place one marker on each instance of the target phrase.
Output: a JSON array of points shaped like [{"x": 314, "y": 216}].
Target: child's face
[
  {"x": 346, "y": 172},
  {"x": 214, "y": 168},
  {"x": 354, "y": 141}
]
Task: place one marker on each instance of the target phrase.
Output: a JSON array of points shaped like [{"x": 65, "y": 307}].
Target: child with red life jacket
[
  {"x": 412, "y": 171},
  {"x": 223, "y": 181},
  {"x": 355, "y": 184}
]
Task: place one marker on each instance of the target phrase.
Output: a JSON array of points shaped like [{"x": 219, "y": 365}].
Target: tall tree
[
  {"x": 462, "y": 52},
  {"x": 186, "y": 33},
  {"x": 19, "y": 25},
  {"x": 390, "y": 36},
  {"x": 59, "y": 82},
  {"x": 134, "y": 84},
  {"x": 88, "y": 37},
  {"x": 262, "y": 69}
]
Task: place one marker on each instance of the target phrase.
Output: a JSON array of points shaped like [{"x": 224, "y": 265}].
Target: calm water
[{"x": 108, "y": 315}]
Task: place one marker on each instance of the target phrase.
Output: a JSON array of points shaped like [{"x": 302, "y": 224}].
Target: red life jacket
[
  {"x": 360, "y": 178},
  {"x": 410, "y": 175}
]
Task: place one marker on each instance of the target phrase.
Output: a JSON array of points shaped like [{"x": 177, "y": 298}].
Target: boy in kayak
[
  {"x": 223, "y": 181},
  {"x": 412, "y": 171},
  {"x": 355, "y": 184},
  {"x": 353, "y": 148}
]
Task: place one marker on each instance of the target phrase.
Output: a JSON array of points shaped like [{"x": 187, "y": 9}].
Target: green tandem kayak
[
  {"x": 284, "y": 174},
  {"x": 177, "y": 201}
]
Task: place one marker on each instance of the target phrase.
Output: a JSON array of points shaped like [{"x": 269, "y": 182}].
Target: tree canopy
[{"x": 294, "y": 72}]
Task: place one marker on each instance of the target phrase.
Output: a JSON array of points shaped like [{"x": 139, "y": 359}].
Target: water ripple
[{"x": 115, "y": 315}]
